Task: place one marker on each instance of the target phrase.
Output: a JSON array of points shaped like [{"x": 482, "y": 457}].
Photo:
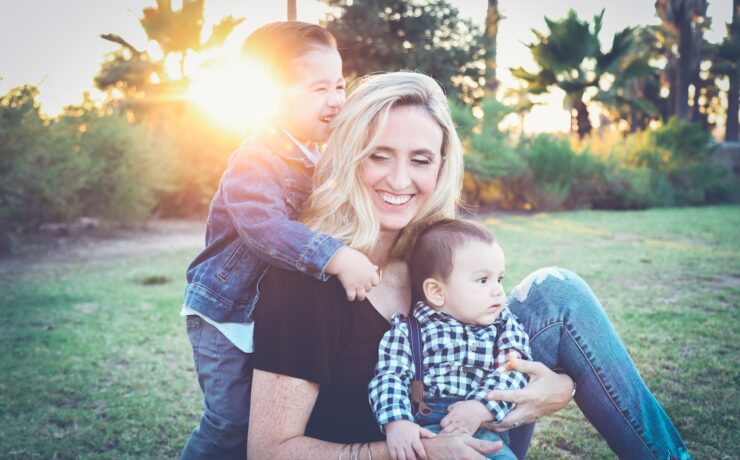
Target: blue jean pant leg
[
  {"x": 439, "y": 410},
  {"x": 225, "y": 376},
  {"x": 570, "y": 331}
]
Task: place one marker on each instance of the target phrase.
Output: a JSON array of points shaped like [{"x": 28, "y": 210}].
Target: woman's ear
[{"x": 433, "y": 292}]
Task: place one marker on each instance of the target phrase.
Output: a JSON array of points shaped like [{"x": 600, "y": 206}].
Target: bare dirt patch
[{"x": 51, "y": 254}]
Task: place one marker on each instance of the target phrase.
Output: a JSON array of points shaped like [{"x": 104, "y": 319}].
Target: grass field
[{"x": 96, "y": 363}]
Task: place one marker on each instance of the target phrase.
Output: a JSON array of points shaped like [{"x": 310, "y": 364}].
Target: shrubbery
[
  {"x": 83, "y": 163},
  {"x": 95, "y": 162},
  {"x": 667, "y": 167}
]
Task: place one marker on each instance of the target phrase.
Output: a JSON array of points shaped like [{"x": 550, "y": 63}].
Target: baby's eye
[
  {"x": 483, "y": 280},
  {"x": 500, "y": 279}
]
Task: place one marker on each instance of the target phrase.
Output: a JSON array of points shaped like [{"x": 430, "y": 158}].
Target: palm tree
[
  {"x": 727, "y": 62},
  {"x": 634, "y": 95},
  {"x": 179, "y": 31},
  {"x": 489, "y": 37},
  {"x": 570, "y": 57},
  {"x": 687, "y": 19},
  {"x": 175, "y": 31}
]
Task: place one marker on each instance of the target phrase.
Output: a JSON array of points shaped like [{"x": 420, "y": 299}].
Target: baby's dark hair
[
  {"x": 279, "y": 44},
  {"x": 434, "y": 250}
]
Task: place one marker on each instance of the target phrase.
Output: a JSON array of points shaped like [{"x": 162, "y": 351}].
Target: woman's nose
[{"x": 398, "y": 178}]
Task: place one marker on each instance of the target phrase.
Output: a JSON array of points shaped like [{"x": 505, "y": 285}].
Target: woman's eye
[
  {"x": 319, "y": 90},
  {"x": 421, "y": 161},
  {"x": 378, "y": 156}
]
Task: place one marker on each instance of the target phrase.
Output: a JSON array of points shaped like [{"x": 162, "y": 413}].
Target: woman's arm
[
  {"x": 279, "y": 413},
  {"x": 547, "y": 392}
]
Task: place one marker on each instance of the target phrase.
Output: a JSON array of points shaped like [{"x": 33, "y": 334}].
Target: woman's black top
[{"x": 306, "y": 328}]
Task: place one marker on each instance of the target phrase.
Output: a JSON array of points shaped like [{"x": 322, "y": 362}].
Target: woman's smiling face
[{"x": 403, "y": 165}]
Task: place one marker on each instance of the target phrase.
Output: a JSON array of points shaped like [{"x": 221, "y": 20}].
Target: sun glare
[{"x": 239, "y": 94}]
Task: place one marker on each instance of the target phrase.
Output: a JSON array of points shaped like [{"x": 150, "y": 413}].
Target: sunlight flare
[{"x": 239, "y": 94}]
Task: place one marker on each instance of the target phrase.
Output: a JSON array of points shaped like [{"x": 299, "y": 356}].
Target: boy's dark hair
[
  {"x": 435, "y": 247},
  {"x": 279, "y": 44}
]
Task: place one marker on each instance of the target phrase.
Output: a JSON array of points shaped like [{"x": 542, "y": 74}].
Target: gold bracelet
[{"x": 341, "y": 451}]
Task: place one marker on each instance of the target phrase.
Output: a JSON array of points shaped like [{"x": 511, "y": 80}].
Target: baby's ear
[{"x": 433, "y": 292}]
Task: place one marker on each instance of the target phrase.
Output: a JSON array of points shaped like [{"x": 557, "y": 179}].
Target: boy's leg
[
  {"x": 225, "y": 376},
  {"x": 569, "y": 330}
]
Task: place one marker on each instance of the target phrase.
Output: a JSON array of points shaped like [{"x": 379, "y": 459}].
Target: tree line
[{"x": 148, "y": 150}]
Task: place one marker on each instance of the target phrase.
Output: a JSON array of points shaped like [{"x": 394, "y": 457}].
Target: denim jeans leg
[
  {"x": 570, "y": 331},
  {"x": 439, "y": 410},
  {"x": 225, "y": 376}
]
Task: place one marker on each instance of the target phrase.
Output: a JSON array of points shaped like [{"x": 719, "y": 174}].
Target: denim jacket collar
[{"x": 279, "y": 142}]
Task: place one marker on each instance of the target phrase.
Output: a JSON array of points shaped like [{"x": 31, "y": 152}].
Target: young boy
[
  {"x": 252, "y": 224},
  {"x": 467, "y": 336}
]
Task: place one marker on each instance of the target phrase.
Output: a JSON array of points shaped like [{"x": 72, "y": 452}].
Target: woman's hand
[
  {"x": 458, "y": 446},
  {"x": 547, "y": 392}
]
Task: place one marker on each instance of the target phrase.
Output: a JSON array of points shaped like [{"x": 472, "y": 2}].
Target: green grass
[{"x": 96, "y": 363}]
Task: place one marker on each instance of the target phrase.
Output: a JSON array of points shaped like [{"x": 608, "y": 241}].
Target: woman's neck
[{"x": 381, "y": 253}]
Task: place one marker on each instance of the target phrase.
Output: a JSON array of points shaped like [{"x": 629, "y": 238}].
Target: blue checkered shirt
[{"x": 460, "y": 360}]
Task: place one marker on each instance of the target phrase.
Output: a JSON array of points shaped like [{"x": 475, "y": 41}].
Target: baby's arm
[
  {"x": 403, "y": 439},
  {"x": 512, "y": 343},
  {"x": 465, "y": 417},
  {"x": 389, "y": 393}
]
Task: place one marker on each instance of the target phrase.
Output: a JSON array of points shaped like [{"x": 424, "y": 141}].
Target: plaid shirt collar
[{"x": 425, "y": 315}]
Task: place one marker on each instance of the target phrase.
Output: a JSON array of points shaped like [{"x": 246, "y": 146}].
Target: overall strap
[{"x": 417, "y": 354}]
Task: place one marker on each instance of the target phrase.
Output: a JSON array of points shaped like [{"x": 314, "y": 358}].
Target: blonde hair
[{"x": 340, "y": 205}]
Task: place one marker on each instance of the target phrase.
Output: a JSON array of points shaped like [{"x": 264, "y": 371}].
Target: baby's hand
[
  {"x": 355, "y": 271},
  {"x": 404, "y": 440},
  {"x": 465, "y": 417}
]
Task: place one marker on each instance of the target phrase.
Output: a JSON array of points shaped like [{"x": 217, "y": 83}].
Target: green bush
[
  {"x": 201, "y": 149},
  {"x": 83, "y": 163},
  {"x": 669, "y": 166}
]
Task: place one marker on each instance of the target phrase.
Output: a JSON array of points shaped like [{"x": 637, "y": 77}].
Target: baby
[{"x": 467, "y": 336}]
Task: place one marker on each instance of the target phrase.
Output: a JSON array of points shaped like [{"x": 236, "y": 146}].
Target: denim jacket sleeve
[{"x": 263, "y": 211}]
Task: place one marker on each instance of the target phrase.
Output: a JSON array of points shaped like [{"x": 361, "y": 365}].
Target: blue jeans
[
  {"x": 439, "y": 410},
  {"x": 569, "y": 332},
  {"x": 225, "y": 376}
]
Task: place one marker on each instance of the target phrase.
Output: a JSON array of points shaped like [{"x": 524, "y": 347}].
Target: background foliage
[{"x": 149, "y": 150}]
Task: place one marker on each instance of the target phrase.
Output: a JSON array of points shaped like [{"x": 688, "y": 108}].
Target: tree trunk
[
  {"x": 583, "y": 123},
  {"x": 491, "y": 32},
  {"x": 683, "y": 70},
  {"x": 733, "y": 105},
  {"x": 292, "y": 12}
]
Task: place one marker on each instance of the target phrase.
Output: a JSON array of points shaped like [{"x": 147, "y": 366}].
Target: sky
[{"x": 55, "y": 44}]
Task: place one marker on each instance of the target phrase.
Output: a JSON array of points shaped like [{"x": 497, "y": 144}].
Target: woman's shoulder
[
  {"x": 288, "y": 289},
  {"x": 294, "y": 280}
]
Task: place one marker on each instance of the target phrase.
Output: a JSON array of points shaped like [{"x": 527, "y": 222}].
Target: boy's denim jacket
[{"x": 252, "y": 224}]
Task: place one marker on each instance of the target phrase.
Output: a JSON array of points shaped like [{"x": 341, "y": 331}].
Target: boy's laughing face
[{"x": 314, "y": 97}]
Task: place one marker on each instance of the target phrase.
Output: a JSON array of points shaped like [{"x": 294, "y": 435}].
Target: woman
[{"x": 394, "y": 164}]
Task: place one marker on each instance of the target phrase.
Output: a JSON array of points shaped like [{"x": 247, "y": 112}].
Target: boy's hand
[
  {"x": 355, "y": 271},
  {"x": 465, "y": 417},
  {"x": 404, "y": 440}
]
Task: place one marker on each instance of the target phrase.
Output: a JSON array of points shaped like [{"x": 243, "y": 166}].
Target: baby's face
[{"x": 473, "y": 293}]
